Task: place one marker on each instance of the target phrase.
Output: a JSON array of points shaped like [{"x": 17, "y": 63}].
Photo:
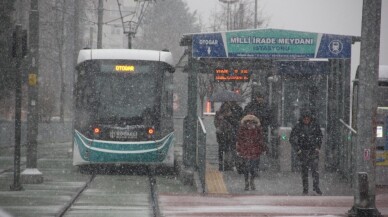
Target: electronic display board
[{"x": 229, "y": 75}]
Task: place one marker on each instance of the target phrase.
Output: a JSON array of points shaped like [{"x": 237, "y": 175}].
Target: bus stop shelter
[{"x": 294, "y": 69}]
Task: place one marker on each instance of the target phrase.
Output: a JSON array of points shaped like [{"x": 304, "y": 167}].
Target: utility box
[{"x": 285, "y": 149}]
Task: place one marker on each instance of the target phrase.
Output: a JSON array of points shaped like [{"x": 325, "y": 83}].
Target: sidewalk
[
  {"x": 256, "y": 205},
  {"x": 60, "y": 183},
  {"x": 276, "y": 194}
]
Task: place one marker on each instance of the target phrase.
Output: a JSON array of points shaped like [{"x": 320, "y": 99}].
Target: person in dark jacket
[
  {"x": 234, "y": 119},
  {"x": 261, "y": 110},
  {"x": 250, "y": 145},
  {"x": 226, "y": 121},
  {"x": 306, "y": 139}
]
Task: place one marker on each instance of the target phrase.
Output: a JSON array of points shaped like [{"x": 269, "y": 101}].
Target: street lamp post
[
  {"x": 100, "y": 24},
  {"x": 32, "y": 175},
  {"x": 255, "y": 14},
  {"x": 365, "y": 185},
  {"x": 228, "y": 2}
]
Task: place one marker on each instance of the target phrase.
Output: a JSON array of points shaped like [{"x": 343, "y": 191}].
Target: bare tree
[
  {"x": 241, "y": 17},
  {"x": 163, "y": 25},
  {"x": 56, "y": 57}
]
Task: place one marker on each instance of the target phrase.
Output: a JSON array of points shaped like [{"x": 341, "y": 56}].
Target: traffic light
[
  {"x": 24, "y": 43},
  {"x": 14, "y": 44},
  {"x": 19, "y": 43}
]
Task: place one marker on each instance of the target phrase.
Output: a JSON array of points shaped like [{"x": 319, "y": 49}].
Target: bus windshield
[
  {"x": 122, "y": 94},
  {"x": 125, "y": 96}
]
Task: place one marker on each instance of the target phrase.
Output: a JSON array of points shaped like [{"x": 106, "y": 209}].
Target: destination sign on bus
[
  {"x": 226, "y": 75},
  {"x": 124, "y": 68}
]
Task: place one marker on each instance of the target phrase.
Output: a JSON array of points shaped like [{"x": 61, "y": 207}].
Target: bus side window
[
  {"x": 84, "y": 92},
  {"x": 167, "y": 95},
  {"x": 79, "y": 93}
]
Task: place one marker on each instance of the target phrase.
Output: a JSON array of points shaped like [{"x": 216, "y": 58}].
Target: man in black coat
[
  {"x": 306, "y": 139},
  {"x": 226, "y": 121},
  {"x": 259, "y": 108}
]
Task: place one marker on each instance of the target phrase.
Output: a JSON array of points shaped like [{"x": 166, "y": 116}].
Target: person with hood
[
  {"x": 250, "y": 145},
  {"x": 306, "y": 139},
  {"x": 226, "y": 121}
]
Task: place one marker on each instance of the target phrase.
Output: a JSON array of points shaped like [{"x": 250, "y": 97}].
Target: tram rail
[
  {"x": 153, "y": 195},
  {"x": 63, "y": 211}
]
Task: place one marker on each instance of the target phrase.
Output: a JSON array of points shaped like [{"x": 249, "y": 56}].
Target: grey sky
[{"x": 324, "y": 16}]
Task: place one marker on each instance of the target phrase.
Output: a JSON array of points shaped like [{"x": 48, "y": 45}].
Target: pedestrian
[
  {"x": 250, "y": 145},
  {"x": 261, "y": 110},
  {"x": 226, "y": 122},
  {"x": 234, "y": 119},
  {"x": 306, "y": 139}
]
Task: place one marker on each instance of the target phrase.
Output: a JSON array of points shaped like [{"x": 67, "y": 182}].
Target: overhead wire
[
  {"x": 118, "y": 18},
  {"x": 60, "y": 10},
  {"x": 121, "y": 15},
  {"x": 93, "y": 22},
  {"x": 135, "y": 13}
]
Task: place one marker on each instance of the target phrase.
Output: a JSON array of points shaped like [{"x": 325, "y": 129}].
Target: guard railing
[
  {"x": 346, "y": 157},
  {"x": 201, "y": 153}
]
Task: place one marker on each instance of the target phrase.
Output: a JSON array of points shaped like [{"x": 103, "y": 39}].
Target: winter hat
[
  {"x": 306, "y": 113},
  {"x": 250, "y": 118}
]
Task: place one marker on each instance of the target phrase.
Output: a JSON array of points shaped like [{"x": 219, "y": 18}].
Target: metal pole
[
  {"x": 76, "y": 31},
  {"x": 18, "y": 109},
  {"x": 32, "y": 175},
  {"x": 189, "y": 152},
  {"x": 228, "y": 17},
  {"x": 255, "y": 14},
  {"x": 62, "y": 67},
  {"x": 100, "y": 20},
  {"x": 91, "y": 30},
  {"x": 364, "y": 205},
  {"x": 77, "y": 47},
  {"x": 241, "y": 16},
  {"x": 129, "y": 41}
]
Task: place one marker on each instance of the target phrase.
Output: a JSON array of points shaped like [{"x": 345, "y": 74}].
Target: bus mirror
[{"x": 171, "y": 69}]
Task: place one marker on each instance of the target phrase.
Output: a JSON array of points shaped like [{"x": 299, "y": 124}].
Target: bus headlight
[
  {"x": 150, "y": 132},
  {"x": 96, "y": 132}
]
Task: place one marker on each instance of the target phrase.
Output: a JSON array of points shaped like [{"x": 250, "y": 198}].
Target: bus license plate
[{"x": 121, "y": 134}]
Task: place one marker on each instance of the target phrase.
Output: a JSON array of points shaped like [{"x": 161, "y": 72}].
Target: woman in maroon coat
[{"x": 250, "y": 145}]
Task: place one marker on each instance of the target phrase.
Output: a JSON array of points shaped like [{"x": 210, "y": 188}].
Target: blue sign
[
  {"x": 208, "y": 45},
  {"x": 335, "y": 46},
  {"x": 271, "y": 43}
]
